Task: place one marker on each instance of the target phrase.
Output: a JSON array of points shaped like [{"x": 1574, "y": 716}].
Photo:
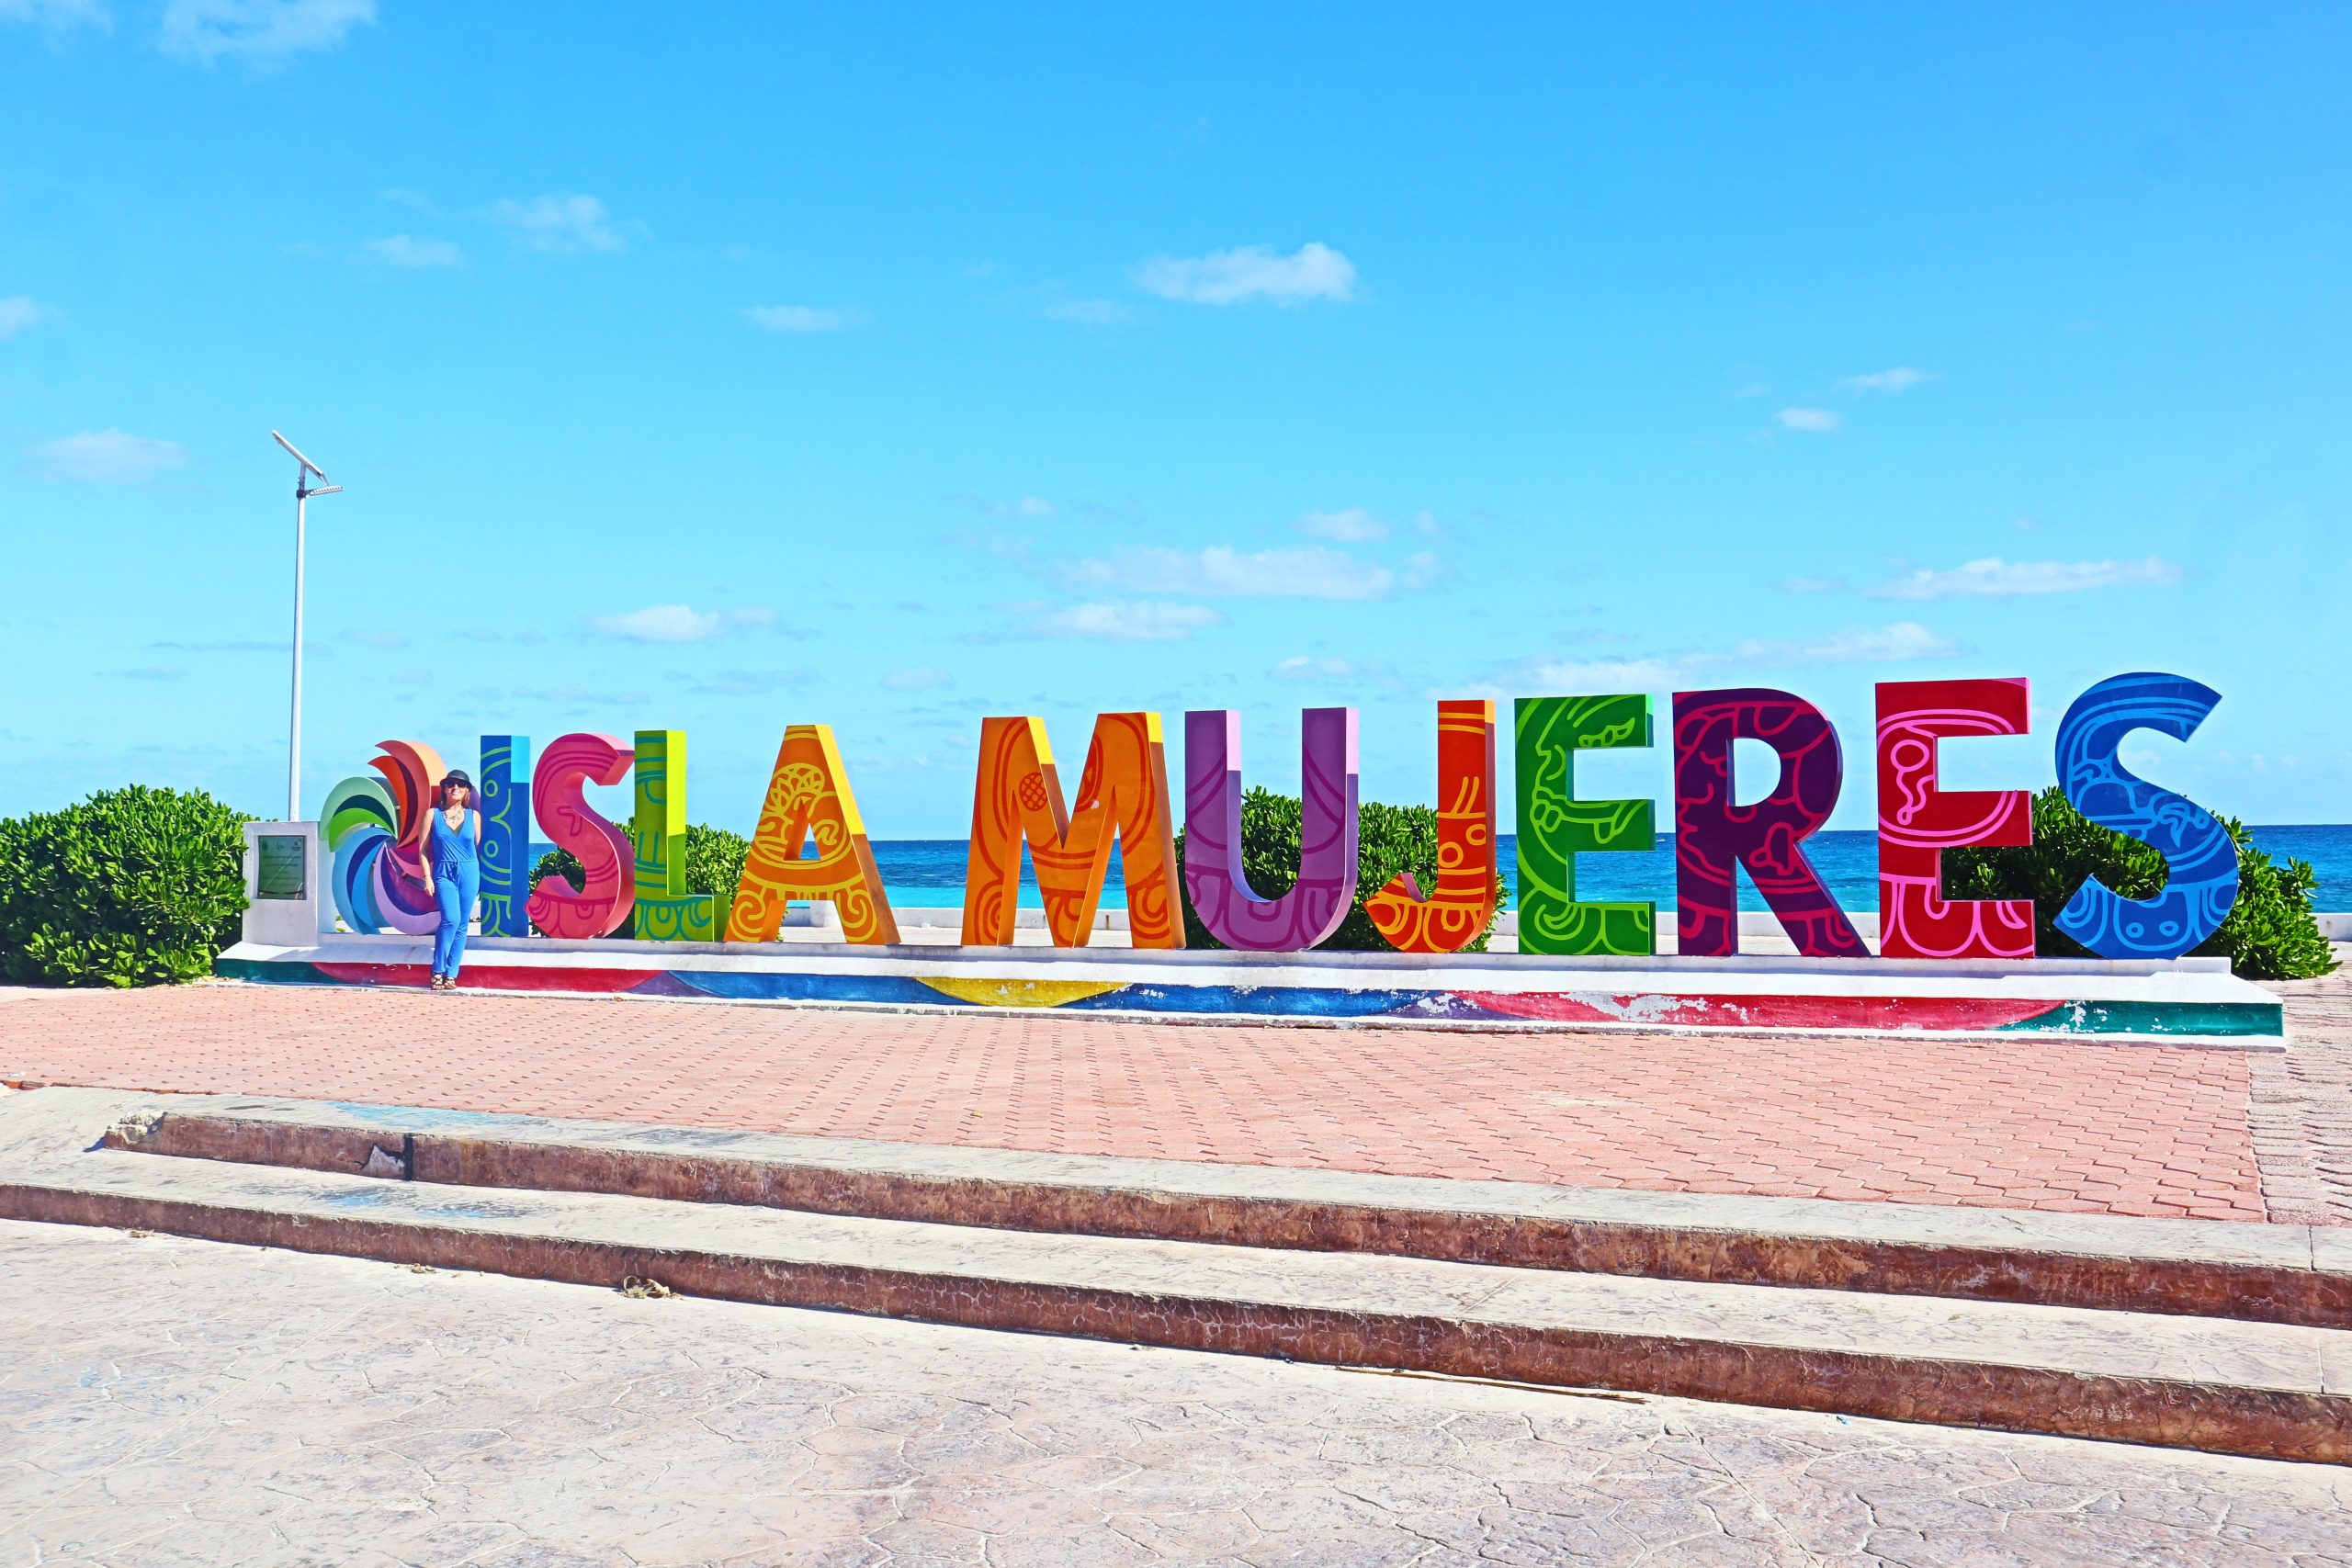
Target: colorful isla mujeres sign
[{"x": 376, "y": 828}]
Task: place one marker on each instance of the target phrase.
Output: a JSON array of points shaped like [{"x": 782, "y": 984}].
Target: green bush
[
  {"x": 133, "y": 886},
  {"x": 714, "y": 862},
  {"x": 564, "y": 863},
  {"x": 2270, "y": 935},
  {"x": 1389, "y": 838}
]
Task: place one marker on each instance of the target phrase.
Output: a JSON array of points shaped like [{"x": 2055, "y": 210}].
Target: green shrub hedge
[
  {"x": 2270, "y": 935},
  {"x": 1389, "y": 838},
  {"x": 133, "y": 886},
  {"x": 714, "y": 863}
]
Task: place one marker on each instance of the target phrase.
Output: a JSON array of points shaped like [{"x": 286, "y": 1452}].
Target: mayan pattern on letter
[
  {"x": 1555, "y": 826},
  {"x": 1714, "y": 837},
  {"x": 559, "y": 798},
  {"x": 2202, "y": 883},
  {"x": 1017, "y": 796},
  {"x": 665, "y": 910},
  {"x": 505, "y": 803},
  {"x": 1214, "y": 878},
  {"x": 1456, "y": 914},
  {"x": 1918, "y": 822},
  {"x": 808, "y": 792}
]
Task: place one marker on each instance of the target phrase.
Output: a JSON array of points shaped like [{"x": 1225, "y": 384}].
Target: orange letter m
[{"x": 1017, "y": 796}]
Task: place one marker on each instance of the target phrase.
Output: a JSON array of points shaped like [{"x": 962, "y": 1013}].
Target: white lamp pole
[{"x": 303, "y": 490}]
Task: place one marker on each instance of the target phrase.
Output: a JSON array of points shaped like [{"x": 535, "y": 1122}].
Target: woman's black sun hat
[{"x": 456, "y": 776}]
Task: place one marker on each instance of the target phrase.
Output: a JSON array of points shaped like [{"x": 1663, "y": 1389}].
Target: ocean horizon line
[{"x": 922, "y": 874}]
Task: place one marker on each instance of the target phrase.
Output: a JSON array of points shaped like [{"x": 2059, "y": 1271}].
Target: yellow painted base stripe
[{"x": 1019, "y": 993}]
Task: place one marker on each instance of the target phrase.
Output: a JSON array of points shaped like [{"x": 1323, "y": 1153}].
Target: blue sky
[{"x": 725, "y": 367}]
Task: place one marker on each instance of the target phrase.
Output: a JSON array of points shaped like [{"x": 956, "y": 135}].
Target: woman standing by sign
[{"x": 453, "y": 852}]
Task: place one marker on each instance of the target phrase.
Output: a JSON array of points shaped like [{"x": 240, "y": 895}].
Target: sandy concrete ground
[{"x": 178, "y": 1402}]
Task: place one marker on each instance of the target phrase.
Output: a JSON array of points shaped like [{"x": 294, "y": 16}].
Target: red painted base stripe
[
  {"x": 1767, "y": 1012},
  {"x": 493, "y": 977}
]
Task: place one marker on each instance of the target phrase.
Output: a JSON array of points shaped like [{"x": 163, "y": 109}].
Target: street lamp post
[{"x": 303, "y": 490}]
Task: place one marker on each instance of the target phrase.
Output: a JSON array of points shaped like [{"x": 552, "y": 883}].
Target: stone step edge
[
  {"x": 2209, "y": 1416},
  {"x": 2204, "y": 1269}
]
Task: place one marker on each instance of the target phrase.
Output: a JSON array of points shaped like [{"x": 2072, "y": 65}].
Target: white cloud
[
  {"x": 1353, "y": 526},
  {"x": 1993, "y": 578},
  {"x": 57, "y": 16},
  {"x": 581, "y": 698},
  {"x": 16, "y": 313},
  {"x": 917, "y": 678},
  {"x": 560, "y": 225},
  {"x": 1087, "y": 312},
  {"x": 995, "y": 542},
  {"x": 1114, "y": 620},
  {"x": 1660, "y": 673},
  {"x": 232, "y": 645},
  {"x": 1899, "y": 380},
  {"x": 1030, "y": 506},
  {"x": 1901, "y": 642},
  {"x": 106, "y": 457},
  {"x": 1314, "y": 271},
  {"x": 679, "y": 623},
  {"x": 807, "y": 318},
  {"x": 374, "y": 636},
  {"x": 1316, "y": 571},
  {"x": 1818, "y": 421},
  {"x": 1423, "y": 568},
  {"x": 1894, "y": 644},
  {"x": 1055, "y": 302},
  {"x": 662, "y": 623},
  {"x": 744, "y": 683},
  {"x": 408, "y": 251},
  {"x": 1304, "y": 667},
  {"x": 1307, "y": 667},
  {"x": 264, "y": 32}
]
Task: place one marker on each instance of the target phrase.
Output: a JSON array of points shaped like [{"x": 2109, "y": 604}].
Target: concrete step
[
  {"x": 2271, "y": 1389},
  {"x": 2294, "y": 1274}
]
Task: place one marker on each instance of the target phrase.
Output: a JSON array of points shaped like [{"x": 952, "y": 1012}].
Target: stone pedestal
[{"x": 286, "y": 884}]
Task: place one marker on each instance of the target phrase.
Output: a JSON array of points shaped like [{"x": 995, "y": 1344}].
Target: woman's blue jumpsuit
[{"x": 456, "y": 883}]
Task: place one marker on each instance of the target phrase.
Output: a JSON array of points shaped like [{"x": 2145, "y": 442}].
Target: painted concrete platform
[
  {"x": 2184, "y": 997},
  {"x": 2266, "y": 1389}
]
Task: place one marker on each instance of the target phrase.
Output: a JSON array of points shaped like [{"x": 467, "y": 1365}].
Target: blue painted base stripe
[{"x": 2076, "y": 1018}]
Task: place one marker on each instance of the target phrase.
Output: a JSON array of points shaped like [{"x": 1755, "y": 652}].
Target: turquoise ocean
[{"x": 928, "y": 873}]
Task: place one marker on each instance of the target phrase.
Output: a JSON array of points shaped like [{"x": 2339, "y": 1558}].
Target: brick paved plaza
[{"x": 2124, "y": 1129}]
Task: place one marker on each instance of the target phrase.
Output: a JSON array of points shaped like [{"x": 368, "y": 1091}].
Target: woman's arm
[{"x": 477, "y": 815}]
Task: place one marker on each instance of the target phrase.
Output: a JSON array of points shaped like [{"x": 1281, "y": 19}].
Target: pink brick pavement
[{"x": 2090, "y": 1128}]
